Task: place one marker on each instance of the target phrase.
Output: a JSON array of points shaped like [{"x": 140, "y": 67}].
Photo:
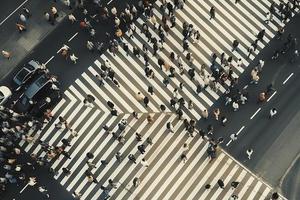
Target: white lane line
[
  {"x": 240, "y": 130},
  {"x": 49, "y": 60},
  {"x": 71, "y": 38},
  {"x": 236, "y": 134},
  {"x": 271, "y": 96},
  {"x": 109, "y": 2},
  {"x": 13, "y": 12},
  {"x": 284, "y": 82},
  {"x": 255, "y": 113}
]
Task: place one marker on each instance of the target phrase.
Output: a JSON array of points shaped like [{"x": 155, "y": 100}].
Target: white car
[{"x": 5, "y": 93}]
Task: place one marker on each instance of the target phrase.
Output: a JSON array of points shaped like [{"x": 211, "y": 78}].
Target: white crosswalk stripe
[{"x": 166, "y": 177}]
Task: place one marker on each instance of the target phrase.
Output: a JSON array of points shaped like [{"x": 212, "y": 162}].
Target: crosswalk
[{"x": 167, "y": 177}]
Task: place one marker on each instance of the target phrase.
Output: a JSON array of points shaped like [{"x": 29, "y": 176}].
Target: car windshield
[{"x": 22, "y": 74}]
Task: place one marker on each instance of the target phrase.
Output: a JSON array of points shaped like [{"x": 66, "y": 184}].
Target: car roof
[
  {"x": 36, "y": 86},
  {"x": 28, "y": 68}
]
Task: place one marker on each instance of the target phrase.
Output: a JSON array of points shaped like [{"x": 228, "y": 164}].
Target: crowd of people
[{"x": 220, "y": 72}]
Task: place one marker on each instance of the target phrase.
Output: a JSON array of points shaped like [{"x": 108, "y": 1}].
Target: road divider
[{"x": 255, "y": 113}]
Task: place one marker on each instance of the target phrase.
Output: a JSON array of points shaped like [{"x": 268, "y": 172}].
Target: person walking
[
  {"x": 23, "y": 18},
  {"x": 144, "y": 163},
  {"x": 146, "y": 101},
  {"x": 212, "y": 13},
  {"x": 150, "y": 89},
  {"x": 233, "y": 136},
  {"x": 44, "y": 191},
  {"x": 132, "y": 158},
  {"x": 170, "y": 127},
  {"x": 235, "y": 45},
  {"x": 136, "y": 182},
  {"x": 249, "y": 152},
  {"x": 66, "y": 171},
  {"x": 141, "y": 148},
  {"x": 204, "y": 114},
  {"x": 221, "y": 183},
  {"x": 73, "y": 58},
  {"x": 273, "y": 112},
  {"x": 234, "y": 184},
  {"x": 6, "y": 54}
]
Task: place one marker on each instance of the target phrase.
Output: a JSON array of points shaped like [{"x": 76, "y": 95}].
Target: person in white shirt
[
  {"x": 144, "y": 163},
  {"x": 273, "y": 112},
  {"x": 249, "y": 153},
  {"x": 72, "y": 18},
  {"x": 23, "y": 18},
  {"x": 235, "y": 106},
  {"x": 73, "y": 58},
  {"x": 233, "y": 137}
]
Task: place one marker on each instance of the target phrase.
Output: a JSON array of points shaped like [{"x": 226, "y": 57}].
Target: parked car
[
  {"x": 5, "y": 93},
  {"x": 34, "y": 93},
  {"x": 26, "y": 73}
]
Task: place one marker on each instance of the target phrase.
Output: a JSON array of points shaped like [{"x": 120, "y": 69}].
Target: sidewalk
[{"x": 21, "y": 44}]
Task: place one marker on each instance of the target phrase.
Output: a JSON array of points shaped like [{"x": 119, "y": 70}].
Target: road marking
[
  {"x": 245, "y": 87},
  {"x": 13, "y": 12},
  {"x": 109, "y": 2},
  {"x": 49, "y": 60},
  {"x": 71, "y": 38},
  {"x": 240, "y": 130},
  {"x": 271, "y": 96},
  {"x": 228, "y": 143},
  {"x": 287, "y": 78},
  {"x": 255, "y": 113}
]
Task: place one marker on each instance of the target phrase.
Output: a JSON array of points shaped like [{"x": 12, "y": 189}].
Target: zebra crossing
[{"x": 166, "y": 177}]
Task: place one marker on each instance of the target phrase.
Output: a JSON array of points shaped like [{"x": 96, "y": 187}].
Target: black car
[
  {"x": 26, "y": 73},
  {"x": 39, "y": 89}
]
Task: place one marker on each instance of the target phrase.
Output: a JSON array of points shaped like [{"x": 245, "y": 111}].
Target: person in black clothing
[
  {"x": 146, "y": 101},
  {"x": 234, "y": 184},
  {"x": 235, "y": 45},
  {"x": 132, "y": 158},
  {"x": 66, "y": 142},
  {"x": 110, "y": 104},
  {"x": 141, "y": 148},
  {"x": 221, "y": 183},
  {"x": 212, "y": 13},
  {"x": 150, "y": 90},
  {"x": 162, "y": 108},
  {"x": 126, "y": 48}
]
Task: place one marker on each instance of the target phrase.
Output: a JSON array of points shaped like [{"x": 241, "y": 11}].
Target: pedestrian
[
  {"x": 235, "y": 106},
  {"x": 221, "y": 183},
  {"x": 144, "y": 163},
  {"x": 207, "y": 186},
  {"x": 68, "y": 3},
  {"x": 23, "y": 18},
  {"x": 233, "y": 136},
  {"x": 54, "y": 12},
  {"x": 150, "y": 118},
  {"x": 273, "y": 112},
  {"x": 204, "y": 114},
  {"x": 235, "y": 45},
  {"x": 275, "y": 196},
  {"x": 47, "y": 16},
  {"x": 118, "y": 156},
  {"x": 104, "y": 162},
  {"x": 233, "y": 197},
  {"x": 66, "y": 171},
  {"x": 44, "y": 191},
  {"x": 261, "y": 35},
  {"x": 26, "y": 12},
  {"x": 149, "y": 140},
  {"x": 110, "y": 104},
  {"x": 269, "y": 17},
  {"x": 170, "y": 127},
  {"x": 150, "y": 89},
  {"x": 141, "y": 148},
  {"x": 91, "y": 164},
  {"x": 73, "y": 58},
  {"x": 136, "y": 182},
  {"x": 112, "y": 183},
  {"x": 261, "y": 97},
  {"x": 6, "y": 54},
  {"x": 100, "y": 79},
  {"x": 249, "y": 152},
  {"x": 146, "y": 101},
  {"x": 223, "y": 120},
  {"x": 132, "y": 158},
  {"x": 212, "y": 13},
  {"x": 217, "y": 113},
  {"x": 234, "y": 184},
  {"x": 89, "y": 155},
  {"x": 20, "y": 27},
  {"x": 72, "y": 18},
  {"x": 183, "y": 157},
  {"x": 138, "y": 137},
  {"x": 114, "y": 112},
  {"x": 135, "y": 115}
]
